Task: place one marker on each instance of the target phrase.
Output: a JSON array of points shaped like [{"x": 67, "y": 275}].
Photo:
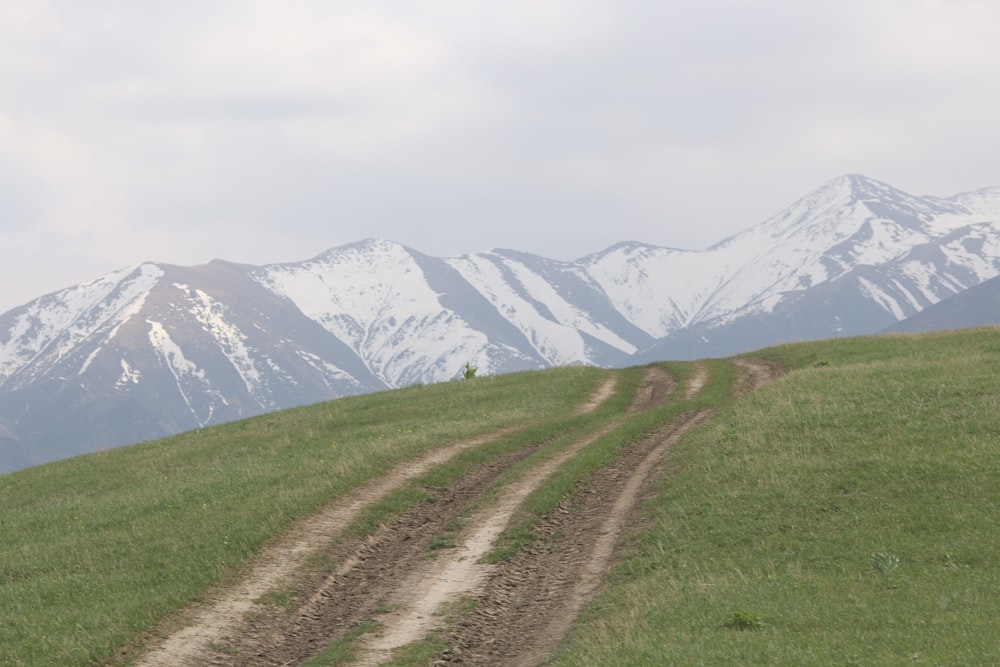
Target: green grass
[
  {"x": 97, "y": 549},
  {"x": 847, "y": 514}
]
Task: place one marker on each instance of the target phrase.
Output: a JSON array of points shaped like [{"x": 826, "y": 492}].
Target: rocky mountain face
[{"x": 154, "y": 349}]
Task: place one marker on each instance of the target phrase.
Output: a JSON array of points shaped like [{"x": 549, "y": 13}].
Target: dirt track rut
[
  {"x": 532, "y": 599},
  {"x": 523, "y": 605},
  {"x": 214, "y": 623},
  {"x": 226, "y": 613}
]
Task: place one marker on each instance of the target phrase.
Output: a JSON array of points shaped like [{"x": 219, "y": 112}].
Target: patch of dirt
[
  {"x": 656, "y": 385},
  {"x": 755, "y": 373},
  {"x": 697, "y": 381},
  {"x": 604, "y": 391}
]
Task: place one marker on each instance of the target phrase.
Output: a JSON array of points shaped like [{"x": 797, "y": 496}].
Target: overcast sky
[{"x": 271, "y": 130}]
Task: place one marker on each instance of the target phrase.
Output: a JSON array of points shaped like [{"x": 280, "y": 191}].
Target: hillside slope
[{"x": 843, "y": 510}]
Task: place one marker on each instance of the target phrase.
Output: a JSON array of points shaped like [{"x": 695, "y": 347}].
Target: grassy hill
[{"x": 846, "y": 513}]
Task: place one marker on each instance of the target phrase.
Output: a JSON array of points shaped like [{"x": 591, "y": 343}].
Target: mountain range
[{"x": 154, "y": 349}]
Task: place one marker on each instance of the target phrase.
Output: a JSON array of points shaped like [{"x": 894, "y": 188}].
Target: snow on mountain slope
[
  {"x": 984, "y": 203},
  {"x": 552, "y": 303},
  {"x": 254, "y": 349},
  {"x": 375, "y": 297},
  {"x": 155, "y": 349},
  {"x": 659, "y": 290},
  {"x": 37, "y": 336},
  {"x": 168, "y": 349},
  {"x": 977, "y": 306},
  {"x": 192, "y": 383},
  {"x": 850, "y": 221},
  {"x": 213, "y": 316},
  {"x": 926, "y": 274}
]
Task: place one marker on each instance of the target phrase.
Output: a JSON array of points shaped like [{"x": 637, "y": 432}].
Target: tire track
[
  {"x": 755, "y": 373},
  {"x": 222, "y": 617},
  {"x": 656, "y": 385},
  {"x": 443, "y": 580},
  {"x": 432, "y": 587},
  {"x": 190, "y": 645},
  {"x": 597, "y": 560},
  {"x": 697, "y": 381},
  {"x": 604, "y": 391},
  {"x": 531, "y": 601}
]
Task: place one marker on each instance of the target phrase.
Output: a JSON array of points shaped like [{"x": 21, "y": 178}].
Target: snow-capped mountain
[
  {"x": 156, "y": 349},
  {"x": 850, "y": 258},
  {"x": 977, "y": 306}
]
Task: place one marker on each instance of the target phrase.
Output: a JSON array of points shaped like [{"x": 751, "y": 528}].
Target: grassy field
[
  {"x": 97, "y": 549},
  {"x": 846, "y": 513}
]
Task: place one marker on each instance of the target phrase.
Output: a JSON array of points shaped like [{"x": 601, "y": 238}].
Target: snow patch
[
  {"x": 178, "y": 365},
  {"x": 48, "y": 329},
  {"x": 554, "y": 342},
  {"x": 565, "y": 313},
  {"x": 881, "y": 297},
  {"x": 212, "y": 315},
  {"x": 375, "y": 298},
  {"x": 129, "y": 375}
]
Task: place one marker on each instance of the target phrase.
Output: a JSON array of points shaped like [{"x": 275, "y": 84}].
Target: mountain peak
[
  {"x": 877, "y": 199},
  {"x": 850, "y": 188},
  {"x": 881, "y": 197},
  {"x": 853, "y": 180},
  {"x": 366, "y": 246}
]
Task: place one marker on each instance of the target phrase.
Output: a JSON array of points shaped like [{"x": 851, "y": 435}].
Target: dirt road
[{"x": 522, "y": 606}]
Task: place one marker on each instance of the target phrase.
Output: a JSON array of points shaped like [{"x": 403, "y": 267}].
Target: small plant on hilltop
[
  {"x": 885, "y": 563},
  {"x": 744, "y": 620},
  {"x": 469, "y": 372}
]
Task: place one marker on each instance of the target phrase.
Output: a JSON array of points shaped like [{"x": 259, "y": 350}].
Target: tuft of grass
[
  {"x": 744, "y": 620},
  {"x": 344, "y": 651},
  {"x": 884, "y": 563}
]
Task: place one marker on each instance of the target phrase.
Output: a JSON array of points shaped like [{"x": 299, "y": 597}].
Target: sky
[{"x": 264, "y": 131}]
